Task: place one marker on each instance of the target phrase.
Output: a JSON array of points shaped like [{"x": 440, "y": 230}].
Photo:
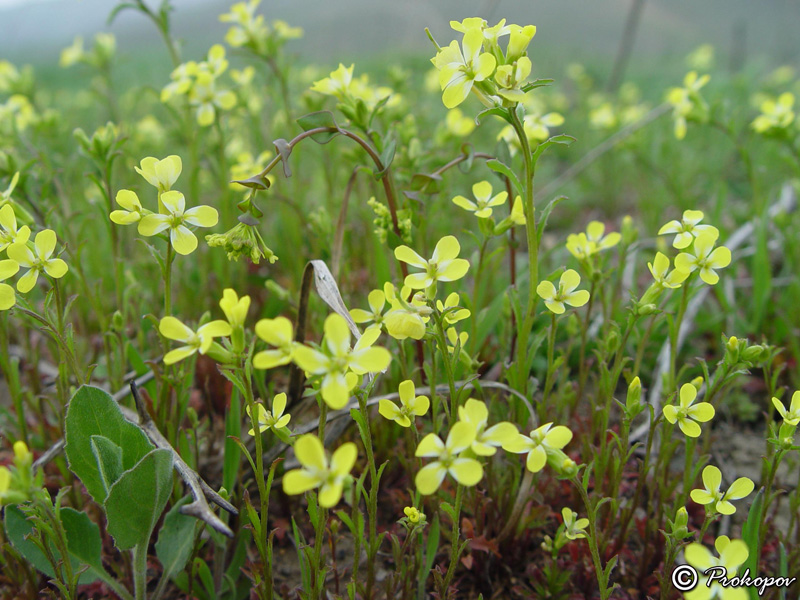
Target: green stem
[
  {"x": 455, "y": 546},
  {"x": 448, "y": 365},
  {"x": 168, "y": 280},
  {"x": 140, "y": 571},
  {"x": 372, "y": 506},
  {"x": 591, "y": 513},
  {"x": 548, "y": 382}
]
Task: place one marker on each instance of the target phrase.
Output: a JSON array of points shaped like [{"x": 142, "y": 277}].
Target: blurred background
[{"x": 586, "y": 31}]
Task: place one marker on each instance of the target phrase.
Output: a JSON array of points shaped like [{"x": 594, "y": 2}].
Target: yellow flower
[
  {"x": 776, "y": 114},
  {"x": 456, "y": 339},
  {"x": 318, "y": 472},
  {"x": 665, "y": 278},
  {"x": 176, "y": 219},
  {"x": 443, "y": 265},
  {"x": 451, "y": 310},
  {"x": 687, "y": 414},
  {"x": 9, "y": 233},
  {"x": 466, "y": 471},
  {"x": 574, "y": 529},
  {"x": 235, "y": 308},
  {"x": 584, "y": 245},
  {"x": 208, "y": 99},
  {"x": 411, "y": 405},
  {"x": 337, "y": 83},
  {"x": 542, "y": 441},
  {"x": 712, "y": 479},
  {"x": 512, "y": 77},
  {"x": 566, "y": 294},
  {"x": 161, "y": 174},
  {"x": 278, "y": 333},
  {"x": 537, "y": 127},
  {"x": 133, "y": 208},
  {"x": 37, "y": 260},
  {"x": 461, "y": 66},
  {"x": 482, "y": 207},
  {"x": 486, "y": 440},
  {"x": 405, "y": 319},
  {"x": 338, "y": 364},
  {"x": 518, "y": 40},
  {"x": 791, "y": 416},
  {"x": 72, "y": 54},
  {"x": 376, "y": 300},
  {"x": 706, "y": 258},
  {"x": 732, "y": 554},
  {"x": 274, "y": 419},
  {"x": 686, "y": 102},
  {"x": 8, "y": 268},
  {"x": 413, "y": 515},
  {"x": 687, "y": 229},
  {"x": 200, "y": 341}
]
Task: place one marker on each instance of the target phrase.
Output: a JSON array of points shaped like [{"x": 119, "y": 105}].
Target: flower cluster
[
  {"x": 479, "y": 65},
  {"x": 173, "y": 216},
  {"x": 251, "y": 31},
  {"x": 18, "y": 483},
  {"x": 99, "y": 57},
  {"x": 687, "y": 103},
  {"x": 197, "y": 82},
  {"x": 776, "y": 115}
]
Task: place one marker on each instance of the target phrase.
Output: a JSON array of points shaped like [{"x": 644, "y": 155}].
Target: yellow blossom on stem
[
  {"x": 133, "y": 211},
  {"x": 732, "y": 554},
  {"x": 712, "y": 494},
  {"x": 274, "y": 419},
  {"x": 405, "y": 319},
  {"x": 376, "y": 300},
  {"x": 161, "y": 174},
  {"x": 687, "y": 414},
  {"x": 414, "y": 515},
  {"x": 484, "y": 201},
  {"x": 456, "y": 339},
  {"x": 566, "y": 293},
  {"x": 706, "y": 258},
  {"x": 199, "y": 341},
  {"x": 451, "y": 310},
  {"x": 9, "y": 233},
  {"x": 487, "y": 440},
  {"x": 687, "y": 229},
  {"x": 466, "y": 471},
  {"x": 663, "y": 277},
  {"x": 791, "y": 416},
  {"x": 338, "y": 363},
  {"x": 37, "y": 260},
  {"x": 541, "y": 441},
  {"x": 280, "y": 334},
  {"x": 8, "y": 268},
  {"x": 317, "y": 472},
  {"x": 444, "y": 265},
  {"x": 411, "y": 405},
  {"x": 574, "y": 528},
  {"x": 176, "y": 220},
  {"x": 775, "y": 115},
  {"x": 460, "y": 66}
]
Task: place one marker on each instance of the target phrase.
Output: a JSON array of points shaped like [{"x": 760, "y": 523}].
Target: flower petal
[
  {"x": 178, "y": 354},
  {"x": 183, "y": 240},
  {"x": 447, "y": 248},
  {"x": 466, "y": 471},
  {"x": 56, "y": 268},
  {"x": 431, "y": 445},
  {"x": 429, "y": 478},
  {"x": 153, "y": 224},
  {"x": 712, "y": 478},
  {"x": 298, "y": 481},
  {"x": 309, "y": 451},
  {"x": 172, "y": 329},
  {"x": 407, "y": 255},
  {"x": 202, "y": 216}
]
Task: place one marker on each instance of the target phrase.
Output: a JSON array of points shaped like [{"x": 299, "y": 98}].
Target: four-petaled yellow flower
[
  {"x": 466, "y": 471},
  {"x": 161, "y": 174},
  {"x": 706, "y": 258},
  {"x": 176, "y": 218},
  {"x": 444, "y": 265},
  {"x": 574, "y": 528},
  {"x": 376, "y": 300},
  {"x": 8, "y": 268},
  {"x": 663, "y": 277},
  {"x": 133, "y": 212},
  {"x": 687, "y": 229},
  {"x": 337, "y": 83},
  {"x": 543, "y": 439},
  {"x": 454, "y": 313},
  {"x": 235, "y": 308},
  {"x": 583, "y": 245},
  {"x": 686, "y": 102},
  {"x": 274, "y": 419},
  {"x": 776, "y": 114},
  {"x": 278, "y": 333},
  {"x": 484, "y": 201},
  {"x": 9, "y": 233},
  {"x": 732, "y": 554},
  {"x": 318, "y": 472},
  {"x": 461, "y": 66},
  {"x": 37, "y": 260},
  {"x": 712, "y": 479},
  {"x": 338, "y": 363},
  {"x": 487, "y": 440},
  {"x": 555, "y": 299},
  {"x": 687, "y": 414},
  {"x": 411, "y": 405},
  {"x": 199, "y": 341},
  {"x": 791, "y": 416},
  {"x": 405, "y": 319}
]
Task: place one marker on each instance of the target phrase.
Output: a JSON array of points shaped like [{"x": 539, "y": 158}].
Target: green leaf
[
  {"x": 233, "y": 455},
  {"x": 504, "y": 169},
  {"x": 564, "y": 140},
  {"x": 496, "y": 111},
  {"x": 751, "y": 530},
  {"x": 201, "y": 568},
  {"x": 83, "y": 543},
  {"x": 284, "y": 150},
  {"x": 387, "y": 156},
  {"x": 176, "y": 539},
  {"x": 109, "y": 460},
  {"x": 546, "y": 215},
  {"x": 135, "y": 502},
  {"x": 469, "y": 153},
  {"x": 431, "y": 548},
  {"x": 256, "y": 182},
  {"x": 536, "y": 83},
  {"x": 93, "y": 411},
  {"x": 315, "y": 120}
]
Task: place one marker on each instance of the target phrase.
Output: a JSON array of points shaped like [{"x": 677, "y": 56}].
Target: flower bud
[
  {"x": 23, "y": 456},
  {"x": 680, "y": 526},
  {"x": 755, "y": 354},
  {"x": 628, "y": 231},
  {"x": 732, "y": 348},
  {"x": 633, "y": 401},
  {"x": 697, "y": 382},
  {"x": 646, "y": 309},
  {"x": 562, "y": 464}
]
